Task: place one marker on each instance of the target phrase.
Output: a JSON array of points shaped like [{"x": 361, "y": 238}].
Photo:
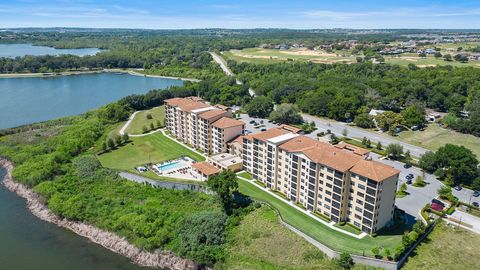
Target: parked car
[
  {"x": 458, "y": 188},
  {"x": 263, "y": 129},
  {"x": 409, "y": 176},
  {"x": 407, "y": 165},
  {"x": 409, "y": 181},
  {"x": 253, "y": 121},
  {"x": 476, "y": 193},
  {"x": 475, "y": 204}
]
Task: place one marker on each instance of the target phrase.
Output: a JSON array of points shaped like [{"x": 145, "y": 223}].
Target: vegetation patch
[
  {"x": 446, "y": 247},
  {"x": 145, "y": 120}
]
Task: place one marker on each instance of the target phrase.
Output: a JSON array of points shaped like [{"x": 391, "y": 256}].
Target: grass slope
[
  {"x": 261, "y": 242},
  {"x": 446, "y": 248},
  {"x": 318, "y": 231},
  {"x": 155, "y": 148},
  {"x": 140, "y": 120}
]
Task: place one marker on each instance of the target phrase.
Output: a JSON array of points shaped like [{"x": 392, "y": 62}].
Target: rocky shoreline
[{"x": 111, "y": 241}]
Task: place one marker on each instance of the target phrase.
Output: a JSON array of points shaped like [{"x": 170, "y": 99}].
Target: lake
[
  {"x": 34, "y": 99},
  {"x": 27, "y": 242},
  {"x": 15, "y": 50}
]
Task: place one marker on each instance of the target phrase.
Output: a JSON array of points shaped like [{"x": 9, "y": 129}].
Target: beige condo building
[
  {"x": 203, "y": 126},
  {"x": 339, "y": 181}
]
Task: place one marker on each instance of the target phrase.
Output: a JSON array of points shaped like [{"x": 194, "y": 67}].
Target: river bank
[
  {"x": 70, "y": 73},
  {"x": 111, "y": 241}
]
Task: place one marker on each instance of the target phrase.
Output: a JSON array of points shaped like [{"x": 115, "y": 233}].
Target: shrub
[
  {"x": 345, "y": 261},
  {"x": 149, "y": 116}
]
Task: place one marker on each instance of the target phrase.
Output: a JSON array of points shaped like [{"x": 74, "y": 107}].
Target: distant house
[{"x": 373, "y": 113}]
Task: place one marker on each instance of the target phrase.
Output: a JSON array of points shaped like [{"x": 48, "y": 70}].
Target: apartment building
[
  {"x": 338, "y": 182},
  {"x": 203, "y": 126}
]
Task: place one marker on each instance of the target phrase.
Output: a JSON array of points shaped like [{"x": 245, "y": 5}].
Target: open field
[
  {"x": 268, "y": 56},
  {"x": 140, "y": 120},
  {"x": 446, "y": 248},
  {"x": 257, "y": 55},
  {"x": 434, "y": 137},
  {"x": 141, "y": 150},
  {"x": 261, "y": 242},
  {"x": 318, "y": 231}
]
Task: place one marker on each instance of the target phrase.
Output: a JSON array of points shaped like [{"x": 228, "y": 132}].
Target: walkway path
[
  {"x": 223, "y": 65},
  {"x": 125, "y": 126}
]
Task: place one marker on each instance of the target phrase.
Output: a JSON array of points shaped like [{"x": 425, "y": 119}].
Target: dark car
[
  {"x": 409, "y": 176},
  {"x": 252, "y": 121},
  {"x": 475, "y": 204},
  {"x": 263, "y": 129},
  {"x": 407, "y": 165},
  {"x": 476, "y": 193},
  {"x": 458, "y": 188},
  {"x": 409, "y": 181}
]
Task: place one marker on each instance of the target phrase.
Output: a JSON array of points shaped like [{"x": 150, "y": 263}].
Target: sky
[{"x": 295, "y": 14}]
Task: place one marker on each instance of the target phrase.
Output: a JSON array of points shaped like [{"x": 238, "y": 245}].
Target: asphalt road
[{"x": 338, "y": 127}]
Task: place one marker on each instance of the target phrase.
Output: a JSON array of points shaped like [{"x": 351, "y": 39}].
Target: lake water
[
  {"x": 34, "y": 99},
  {"x": 27, "y": 242},
  {"x": 14, "y": 50}
]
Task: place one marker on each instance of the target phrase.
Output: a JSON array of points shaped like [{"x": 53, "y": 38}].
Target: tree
[
  {"x": 403, "y": 188},
  {"x": 376, "y": 251},
  {"x": 364, "y": 141},
  {"x": 159, "y": 125},
  {"x": 110, "y": 143},
  {"x": 379, "y": 146},
  {"x": 286, "y": 113},
  {"x": 152, "y": 127},
  {"x": 149, "y": 116},
  {"x": 407, "y": 154},
  {"x": 260, "y": 106},
  {"x": 224, "y": 185},
  {"x": 388, "y": 120},
  {"x": 104, "y": 146},
  {"x": 144, "y": 129},
  {"x": 394, "y": 151},
  {"x": 368, "y": 144},
  {"x": 461, "y": 58},
  {"x": 202, "y": 236},
  {"x": 364, "y": 120},
  {"x": 419, "y": 182},
  {"x": 118, "y": 140},
  {"x": 437, "y": 55},
  {"x": 388, "y": 254},
  {"x": 444, "y": 191},
  {"x": 345, "y": 261},
  {"x": 345, "y": 132},
  {"x": 414, "y": 115},
  {"x": 419, "y": 227},
  {"x": 447, "y": 57},
  {"x": 125, "y": 137}
]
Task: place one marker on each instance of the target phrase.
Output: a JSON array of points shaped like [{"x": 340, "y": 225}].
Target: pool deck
[{"x": 183, "y": 170}]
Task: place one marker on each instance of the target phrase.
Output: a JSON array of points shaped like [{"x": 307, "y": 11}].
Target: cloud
[{"x": 398, "y": 13}]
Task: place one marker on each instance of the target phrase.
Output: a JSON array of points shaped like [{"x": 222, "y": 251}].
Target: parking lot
[{"x": 418, "y": 196}]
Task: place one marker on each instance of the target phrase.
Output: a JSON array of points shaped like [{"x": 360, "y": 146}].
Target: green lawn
[
  {"x": 155, "y": 148},
  {"x": 261, "y": 242},
  {"x": 434, "y": 137},
  {"x": 427, "y": 61},
  {"x": 140, "y": 120},
  {"x": 446, "y": 248},
  {"x": 246, "y": 175},
  {"x": 318, "y": 231}
]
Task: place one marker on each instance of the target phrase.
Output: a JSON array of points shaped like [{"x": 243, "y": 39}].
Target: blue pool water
[{"x": 169, "y": 166}]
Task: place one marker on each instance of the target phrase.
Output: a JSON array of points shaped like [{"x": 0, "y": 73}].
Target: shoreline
[
  {"x": 70, "y": 73},
  {"x": 35, "y": 204}
]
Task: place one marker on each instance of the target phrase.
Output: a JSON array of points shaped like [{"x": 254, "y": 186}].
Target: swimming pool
[{"x": 169, "y": 166}]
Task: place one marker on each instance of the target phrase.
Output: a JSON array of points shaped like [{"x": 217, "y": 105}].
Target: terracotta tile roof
[
  {"x": 187, "y": 104},
  {"x": 332, "y": 157},
  {"x": 374, "y": 170},
  {"x": 269, "y": 133},
  {"x": 299, "y": 144},
  {"x": 352, "y": 148},
  {"x": 211, "y": 114},
  {"x": 206, "y": 168},
  {"x": 238, "y": 139},
  {"x": 227, "y": 122},
  {"x": 222, "y": 107}
]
